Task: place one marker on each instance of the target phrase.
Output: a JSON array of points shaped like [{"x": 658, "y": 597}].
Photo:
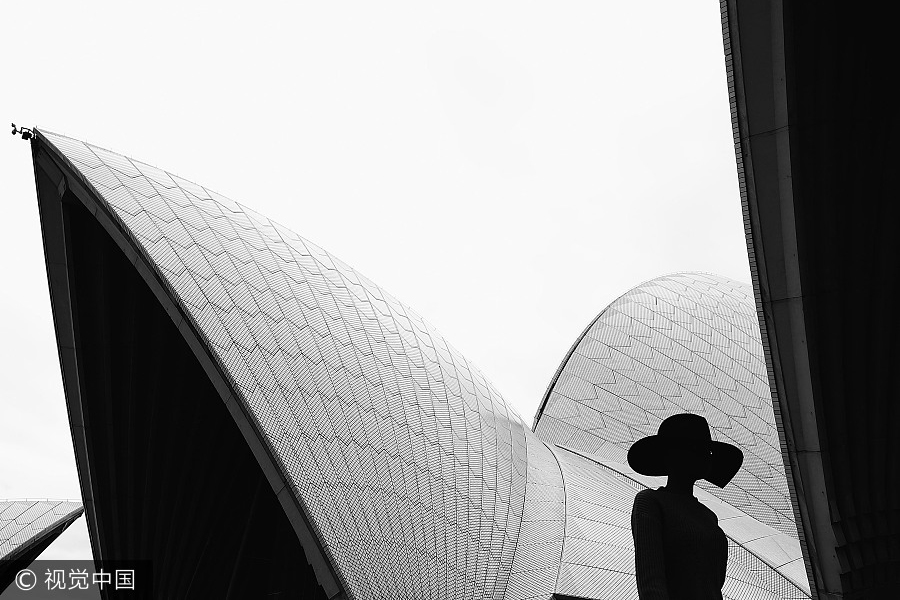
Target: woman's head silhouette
[{"x": 683, "y": 448}]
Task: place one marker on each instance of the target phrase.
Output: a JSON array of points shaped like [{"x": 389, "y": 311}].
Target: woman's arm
[{"x": 649, "y": 561}]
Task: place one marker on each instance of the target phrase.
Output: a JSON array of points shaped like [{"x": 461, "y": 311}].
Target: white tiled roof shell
[
  {"x": 410, "y": 464},
  {"x": 419, "y": 479},
  {"x": 21, "y": 521},
  {"x": 687, "y": 342},
  {"x": 535, "y": 569},
  {"x": 598, "y": 549}
]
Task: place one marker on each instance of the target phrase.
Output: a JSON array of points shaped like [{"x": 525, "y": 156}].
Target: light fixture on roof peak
[{"x": 25, "y": 132}]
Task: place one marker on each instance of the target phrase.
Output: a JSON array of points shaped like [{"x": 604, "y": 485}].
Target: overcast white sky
[{"x": 505, "y": 168}]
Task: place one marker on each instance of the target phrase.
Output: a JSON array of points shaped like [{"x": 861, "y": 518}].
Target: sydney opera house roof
[
  {"x": 27, "y": 527},
  {"x": 687, "y": 342},
  {"x": 250, "y": 372},
  {"x": 683, "y": 343}
]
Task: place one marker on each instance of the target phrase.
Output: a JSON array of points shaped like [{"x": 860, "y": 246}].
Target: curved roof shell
[
  {"x": 27, "y": 522},
  {"x": 416, "y": 479},
  {"x": 27, "y": 527},
  {"x": 598, "y": 551},
  {"x": 687, "y": 342},
  {"x": 405, "y": 457}
]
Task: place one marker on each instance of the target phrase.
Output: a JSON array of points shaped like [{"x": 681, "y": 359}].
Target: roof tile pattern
[
  {"x": 406, "y": 457},
  {"x": 418, "y": 478},
  {"x": 598, "y": 552},
  {"x": 535, "y": 569},
  {"x": 21, "y": 521},
  {"x": 688, "y": 342}
]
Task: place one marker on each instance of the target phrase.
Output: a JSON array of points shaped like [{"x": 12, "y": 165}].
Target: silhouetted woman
[{"x": 680, "y": 552}]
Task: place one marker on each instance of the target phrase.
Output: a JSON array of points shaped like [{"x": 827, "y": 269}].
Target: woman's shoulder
[
  {"x": 647, "y": 497},
  {"x": 646, "y": 505},
  {"x": 647, "y": 493}
]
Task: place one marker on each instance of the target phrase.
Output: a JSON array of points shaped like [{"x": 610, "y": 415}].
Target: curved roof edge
[
  {"x": 67, "y": 177},
  {"x": 562, "y": 365}
]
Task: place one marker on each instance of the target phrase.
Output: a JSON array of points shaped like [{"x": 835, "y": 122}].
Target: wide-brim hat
[{"x": 647, "y": 456}]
